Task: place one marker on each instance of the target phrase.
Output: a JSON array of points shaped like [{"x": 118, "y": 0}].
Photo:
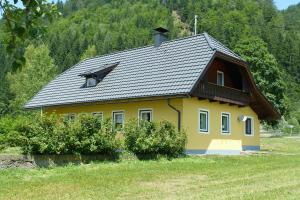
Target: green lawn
[{"x": 273, "y": 175}]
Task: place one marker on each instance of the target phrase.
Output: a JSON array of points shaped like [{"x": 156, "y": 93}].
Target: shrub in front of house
[
  {"x": 90, "y": 135},
  {"x": 9, "y": 137},
  {"x": 145, "y": 137},
  {"x": 55, "y": 135}
]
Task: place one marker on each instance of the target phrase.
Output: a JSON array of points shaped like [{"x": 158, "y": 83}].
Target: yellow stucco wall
[
  {"x": 160, "y": 109},
  {"x": 214, "y": 139},
  {"x": 189, "y": 108}
]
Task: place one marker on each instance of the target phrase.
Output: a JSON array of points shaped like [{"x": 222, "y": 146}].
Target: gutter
[{"x": 178, "y": 112}]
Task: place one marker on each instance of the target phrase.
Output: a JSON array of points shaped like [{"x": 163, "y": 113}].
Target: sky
[{"x": 284, "y": 4}]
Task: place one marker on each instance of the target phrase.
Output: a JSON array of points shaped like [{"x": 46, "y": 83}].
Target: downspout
[{"x": 178, "y": 112}]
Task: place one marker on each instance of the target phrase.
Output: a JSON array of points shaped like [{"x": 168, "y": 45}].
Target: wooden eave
[{"x": 257, "y": 101}]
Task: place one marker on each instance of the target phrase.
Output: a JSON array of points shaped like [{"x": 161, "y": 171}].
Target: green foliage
[
  {"x": 27, "y": 81},
  {"x": 54, "y": 135},
  {"x": 25, "y": 23},
  {"x": 5, "y": 67},
  {"x": 290, "y": 126},
  {"x": 265, "y": 70},
  {"x": 89, "y": 52},
  {"x": 9, "y": 137},
  {"x": 151, "y": 138},
  {"x": 108, "y": 26}
]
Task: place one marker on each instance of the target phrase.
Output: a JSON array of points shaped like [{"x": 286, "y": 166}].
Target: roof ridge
[
  {"x": 137, "y": 48},
  {"x": 220, "y": 43},
  {"x": 207, "y": 38}
]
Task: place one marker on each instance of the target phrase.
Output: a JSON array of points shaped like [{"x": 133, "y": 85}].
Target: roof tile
[{"x": 170, "y": 69}]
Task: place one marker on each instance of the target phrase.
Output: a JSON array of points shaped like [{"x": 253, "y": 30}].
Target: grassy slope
[{"x": 270, "y": 176}]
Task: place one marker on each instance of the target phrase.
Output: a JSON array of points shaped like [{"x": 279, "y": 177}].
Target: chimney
[{"x": 160, "y": 35}]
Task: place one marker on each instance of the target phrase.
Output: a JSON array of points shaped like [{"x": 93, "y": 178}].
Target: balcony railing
[{"x": 222, "y": 93}]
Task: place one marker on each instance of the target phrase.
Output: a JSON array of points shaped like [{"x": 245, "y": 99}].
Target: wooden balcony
[{"x": 224, "y": 94}]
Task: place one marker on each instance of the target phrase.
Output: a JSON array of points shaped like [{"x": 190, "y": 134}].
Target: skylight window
[{"x": 96, "y": 75}]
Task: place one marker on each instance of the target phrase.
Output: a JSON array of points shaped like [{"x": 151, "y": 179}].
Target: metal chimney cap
[{"x": 161, "y": 30}]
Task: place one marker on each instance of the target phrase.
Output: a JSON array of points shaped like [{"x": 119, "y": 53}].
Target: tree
[
  {"x": 24, "y": 23},
  {"x": 38, "y": 70},
  {"x": 89, "y": 52},
  {"x": 266, "y": 72}
]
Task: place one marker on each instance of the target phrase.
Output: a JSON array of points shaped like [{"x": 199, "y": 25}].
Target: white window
[
  {"x": 203, "y": 121},
  {"x": 118, "y": 120},
  {"x": 145, "y": 115},
  {"x": 90, "y": 82},
  {"x": 98, "y": 115},
  {"x": 225, "y": 123},
  {"x": 220, "y": 78},
  {"x": 249, "y": 125}
]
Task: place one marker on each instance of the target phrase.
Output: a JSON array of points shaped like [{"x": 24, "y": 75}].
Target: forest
[{"x": 267, "y": 38}]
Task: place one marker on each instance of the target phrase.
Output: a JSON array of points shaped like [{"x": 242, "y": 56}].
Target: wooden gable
[{"x": 238, "y": 89}]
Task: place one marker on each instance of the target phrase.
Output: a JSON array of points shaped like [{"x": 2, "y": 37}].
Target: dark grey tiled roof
[
  {"x": 171, "y": 69},
  {"x": 215, "y": 44}
]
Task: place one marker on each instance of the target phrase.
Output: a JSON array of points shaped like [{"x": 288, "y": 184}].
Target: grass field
[{"x": 271, "y": 175}]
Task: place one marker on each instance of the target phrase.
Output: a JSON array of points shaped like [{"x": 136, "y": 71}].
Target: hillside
[{"x": 100, "y": 27}]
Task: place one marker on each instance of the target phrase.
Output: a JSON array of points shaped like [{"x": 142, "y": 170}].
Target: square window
[
  {"x": 225, "y": 123},
  {"x": 249, "y": 126},
  {"x": 220, "y": 78},
  {"x": 203, "y": 121},
  {"x": 91, "y": 82},
  {"x": 118, "y": 120},
  {"x": 145, "y": 115}
]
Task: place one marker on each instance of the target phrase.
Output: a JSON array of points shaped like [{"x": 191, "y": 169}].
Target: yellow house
[{"x": 195, "y": 82}]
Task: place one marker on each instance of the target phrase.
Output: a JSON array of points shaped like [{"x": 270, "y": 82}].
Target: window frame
[
  {"x": 206, "y": 112},
  {"x": 227, "y": 114},
  {"x": 222, "y": 73},
  {"x": 252, "y": 127},
  {"x": 96, "y": 113},
  {"x": 86, "y": 82},
  {"x": 145, "y": 110},
  {"x": 113, "y": 118}
]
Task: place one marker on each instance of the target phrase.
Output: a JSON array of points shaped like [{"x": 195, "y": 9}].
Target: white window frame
[
  {"x": 113, "y": 118},
  {"x": 200, "y": 110},
  {"x": 220, "y": 72},
  {"x": 98, "y": 113},
  {"x": 91, "y": 85},
  {"x": 229, "y": 123},
  {"x": 252, "y": 127},
  {"x": 140, "y": 111}
]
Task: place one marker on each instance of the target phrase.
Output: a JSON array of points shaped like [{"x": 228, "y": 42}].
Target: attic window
[
  {"x": 96, "y": 75},
  {"x": 90, "y": 82},
  {"x": 220, "y": 78}
]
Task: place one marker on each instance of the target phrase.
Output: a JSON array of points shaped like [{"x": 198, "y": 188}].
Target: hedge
[
  {"x": 55, "y": 135},
  {"x": 86, "y": 134}
]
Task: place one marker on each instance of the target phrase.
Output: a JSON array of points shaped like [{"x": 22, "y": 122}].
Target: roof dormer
[{"x": 96, "y": 75}]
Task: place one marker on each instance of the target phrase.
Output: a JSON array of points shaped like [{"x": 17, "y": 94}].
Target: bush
[
  {"x": 151, "y": 138},
  {"x": 88, "y": 135},
  {"x": 54, "y": 135},
  {"x": 9, "y": 137}
]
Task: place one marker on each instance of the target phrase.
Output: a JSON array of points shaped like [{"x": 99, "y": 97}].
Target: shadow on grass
[
  {"x": 64, "y": 160},
  {"x": 159, "y": 156},
  {"x": 53, "y": 160}
]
